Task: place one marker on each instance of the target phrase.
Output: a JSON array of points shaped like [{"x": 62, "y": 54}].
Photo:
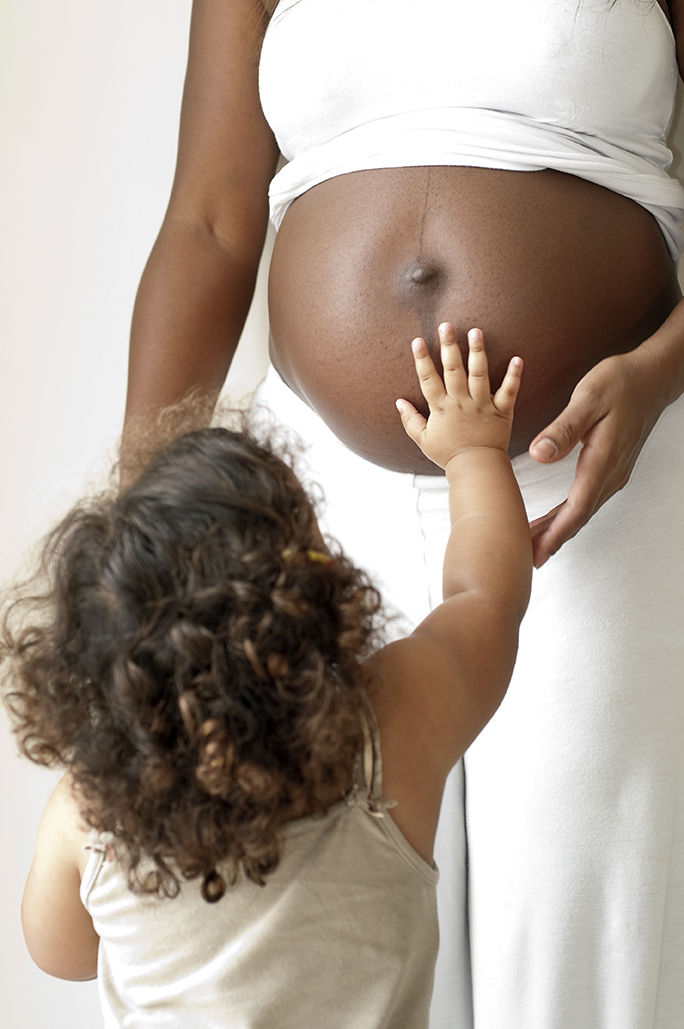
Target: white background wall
[{"x": 89, "y": 105}]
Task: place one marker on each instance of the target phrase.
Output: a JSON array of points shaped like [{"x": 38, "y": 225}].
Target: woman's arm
[
  {"x": 611, "y": 412},
  {"x": 58, "y": 930},
  {"x": 676, "y": 8},
  {"x": 198, "y": 284}
]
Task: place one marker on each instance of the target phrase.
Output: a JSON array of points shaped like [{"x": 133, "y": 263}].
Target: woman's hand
[
  {"x": 611, "y": 412},
  {"x": 463, "y": 412}
]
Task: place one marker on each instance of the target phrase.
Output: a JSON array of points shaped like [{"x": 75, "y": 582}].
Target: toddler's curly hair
[{"x": 192, "y": 662}]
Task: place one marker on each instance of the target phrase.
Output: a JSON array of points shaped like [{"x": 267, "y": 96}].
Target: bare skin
[
  {"x": 424, "y": 729},
  {"x": 572, "y": 274},
  {"x": 573, "y": 277}
]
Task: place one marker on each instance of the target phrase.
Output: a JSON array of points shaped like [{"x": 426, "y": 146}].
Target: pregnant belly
[{"x": 552, "y": 268}]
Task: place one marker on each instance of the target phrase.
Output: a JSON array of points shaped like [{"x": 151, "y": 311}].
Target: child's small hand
[{"x": 463, "y": 412}]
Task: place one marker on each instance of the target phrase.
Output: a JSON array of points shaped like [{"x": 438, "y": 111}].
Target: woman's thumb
[{"x": 563, "y": 434}]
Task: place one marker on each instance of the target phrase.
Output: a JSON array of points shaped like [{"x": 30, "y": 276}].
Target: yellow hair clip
[{"x": 291, "y": 556}]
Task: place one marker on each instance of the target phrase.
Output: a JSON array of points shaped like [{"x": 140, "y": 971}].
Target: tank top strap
[
  {"x": 367, "y": 789},
  {"x": 100, "y": 848}
]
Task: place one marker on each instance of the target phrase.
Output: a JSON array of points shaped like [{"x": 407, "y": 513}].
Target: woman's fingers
[
  {"x": 611, "y": 416},
  {"x": 583, "y": 420},
  {"x": 560, "y": 525},
  {"x": 507, "y": 393},
  {"x": 600, "y": 473},
  {"x": 543, "y": 531},
  {"x": 539, "y": 526},
  {"x": 583, "y": 411},
  {"x": 431, "y": 384},
  {"x": 478, "y": 372}
]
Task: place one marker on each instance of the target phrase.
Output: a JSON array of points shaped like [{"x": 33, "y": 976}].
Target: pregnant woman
[{"x": 498, "y": 165}]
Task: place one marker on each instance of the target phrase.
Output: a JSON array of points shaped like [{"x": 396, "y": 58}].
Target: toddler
[{"x": 244, "y": 836}]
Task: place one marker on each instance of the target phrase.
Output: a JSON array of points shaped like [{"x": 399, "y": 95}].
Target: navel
[
  {"x": 419, "y": 280},
  {"x": 421, "y": 273}
]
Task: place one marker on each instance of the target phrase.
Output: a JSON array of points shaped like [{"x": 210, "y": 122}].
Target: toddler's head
[{"x": 195, "y": 659}]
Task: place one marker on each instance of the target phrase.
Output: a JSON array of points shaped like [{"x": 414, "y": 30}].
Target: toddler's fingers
[
  {"x": 507, "y": 393},
  {"x": 478, "y": 371},
  {"x": 455, "y": 378},
  {"x": 412, "y": 420},
  {"x": 431, "y": 384}
]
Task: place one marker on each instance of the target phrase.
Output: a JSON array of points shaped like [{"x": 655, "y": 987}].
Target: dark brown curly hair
[{"x": 191, "y": 660}]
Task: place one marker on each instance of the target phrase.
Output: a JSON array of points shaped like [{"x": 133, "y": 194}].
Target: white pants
[{"x": 569, "y": 909}]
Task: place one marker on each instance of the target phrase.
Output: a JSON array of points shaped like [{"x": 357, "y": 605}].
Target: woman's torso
[{"x": 552, "y": 267}]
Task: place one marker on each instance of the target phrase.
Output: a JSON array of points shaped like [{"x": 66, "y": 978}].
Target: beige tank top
[{"x": 342, "y": 936}]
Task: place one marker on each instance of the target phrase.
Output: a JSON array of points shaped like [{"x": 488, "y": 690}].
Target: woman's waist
[
  {"x": 634, "y": 166},
  {"x": 555, "y": 269}
]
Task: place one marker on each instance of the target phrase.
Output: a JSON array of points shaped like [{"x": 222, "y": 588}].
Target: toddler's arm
[
  {"x": 58, "y": 930},
  {"x": 467, "y": 433},
  {"x": 488, "y": 560},
  {"x": 434, "y": 691}
]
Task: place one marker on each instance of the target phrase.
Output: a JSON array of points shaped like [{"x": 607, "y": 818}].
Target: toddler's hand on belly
[{"x": 463, "y": 412}]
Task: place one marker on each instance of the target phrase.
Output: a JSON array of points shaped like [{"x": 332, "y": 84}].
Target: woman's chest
[{"x": 591, "y": 66}]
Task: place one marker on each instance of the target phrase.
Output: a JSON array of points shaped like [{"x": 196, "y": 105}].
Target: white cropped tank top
[
  {"x": 342, "y": 936},
  {"x": 581, "y": 86}
]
